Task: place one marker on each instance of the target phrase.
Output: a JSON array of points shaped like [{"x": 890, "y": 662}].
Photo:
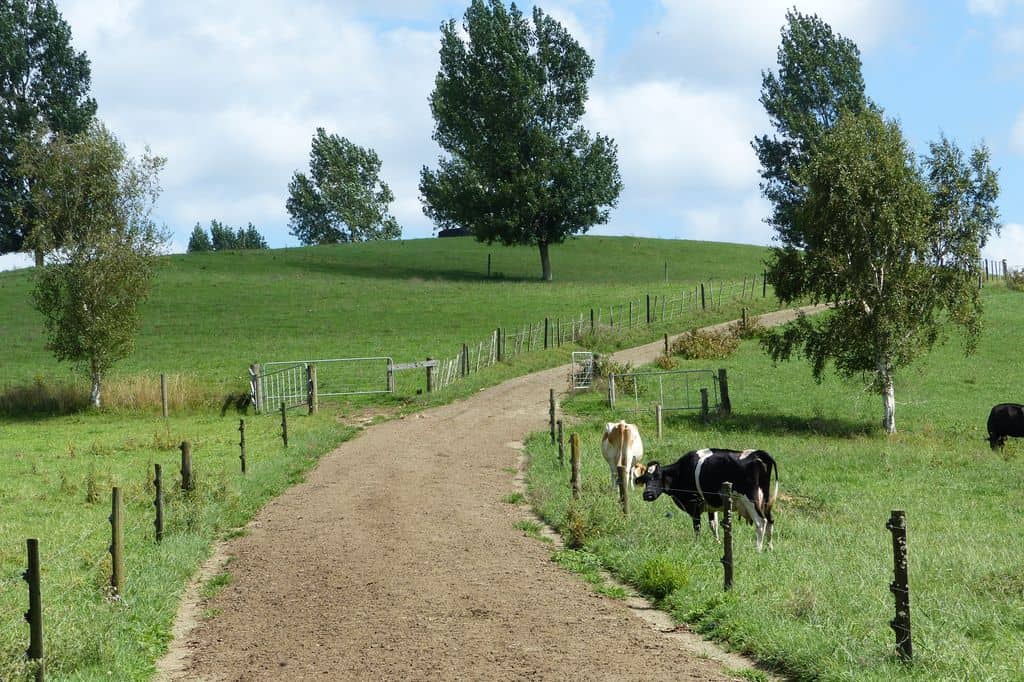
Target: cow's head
[{"x": 650, "y": 476}]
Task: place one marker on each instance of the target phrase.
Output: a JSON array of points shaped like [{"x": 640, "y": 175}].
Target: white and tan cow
[{"x": 621, "y": 445}]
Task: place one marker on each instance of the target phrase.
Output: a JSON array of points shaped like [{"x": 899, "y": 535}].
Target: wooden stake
[
  {"x": 186, "y": 466},
  {"x": 241, "y": 442},
  {"x": 158, "y": 522},
  {"x": 574, "y": 455},
  {"x": 163, "y": 394},
  {"x": 900, "y": 587},
  {"x": 284, "y": 424},
  {"x": 116, "y": 544},
  {"x": 551, "y": 412},
  {"x": 34, "y": 615},
  {"x": 723, "y": 387},
  {"x": 727, "y": 533},
  {"x": 561, "y": 445}
]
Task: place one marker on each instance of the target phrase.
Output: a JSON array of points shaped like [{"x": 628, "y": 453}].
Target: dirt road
[{"x": 398, "y": 560}]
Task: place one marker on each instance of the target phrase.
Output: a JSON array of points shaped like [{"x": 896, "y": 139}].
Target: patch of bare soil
[{"x": 398, "y": 560}]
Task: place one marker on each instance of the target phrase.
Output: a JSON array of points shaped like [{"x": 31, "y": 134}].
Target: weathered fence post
[
  {"x": 257, "y": 384},
  {"x": 703, "y": 304},
  {"x": 497, "y": 343},
  {"x": 704, "y": 414},
  {"x": 1005, "y": 270},
  {"x": 116, "y": 544},
  {"x": 284, "y": 425},
  {"x": 666, "y": 271},
  {"x": 630, "y": 323},
  {"x": 430, "y": 373},
  {"x": 623, "y": 487},
  {"x": 241, "y": 442},
  {"x": 163, "y": 394},
  {"x": 727, "y": 533},
  {"x": 592, "y": 328},
  {"x": 764, "y": 283},
  {"x": 658, "y": 412},
  {"x": 158, "y": 502},
  {"x": 648, "y": 308},
  {"x": 551, "y": 413},
  {"x": 488, "y": 266},
  {"x": 186, "y": 466},
  {"x": 900, "y": 587},
  {"x": 465, "y": 360},
  {"x": 723, "y": 387},
  {"x": 34, "y": 615},
  {"x": 561, "y": 445},
  {"x": 547, "y": 332},
  {"x": 744, "y": 318},
  {"x": 574, "y": 456},
  {"x": 312, "y": 395}
]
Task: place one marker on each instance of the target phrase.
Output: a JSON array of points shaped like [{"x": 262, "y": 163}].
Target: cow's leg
[
  {"x": 713, "y": 524},
  {"x": 696, "y": 526},
  {"x": 749, "y": 511},
  {"x": 769, "y": 526}
]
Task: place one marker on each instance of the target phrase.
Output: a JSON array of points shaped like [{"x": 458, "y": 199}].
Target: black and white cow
[
  {"x": 695, "y": 482},
  {"x": 1005, "y": 419}
]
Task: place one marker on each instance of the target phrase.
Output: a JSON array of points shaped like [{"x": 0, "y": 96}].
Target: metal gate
[
  {"x": 288, "y": 382},
  {"x": 673, "y": 390},
  {"x": 581, "y": 375}
]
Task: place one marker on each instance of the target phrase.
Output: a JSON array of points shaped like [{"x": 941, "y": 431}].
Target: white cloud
[
  {"x": 992, "y": 8},
  {"x": 15, "y": 261},
  {"x": 1009, "y": 246}
]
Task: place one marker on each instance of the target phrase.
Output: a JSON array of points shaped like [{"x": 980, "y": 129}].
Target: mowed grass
[
  {"x": 818, "y": 607},
  {"x": 209, "y": 316}
]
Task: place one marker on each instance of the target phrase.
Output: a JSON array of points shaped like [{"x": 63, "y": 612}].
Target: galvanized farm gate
[
  {"x": 581, "y": 375},
  {"x": 678, "y": 389},
  {"x": 288, "y": 382}
]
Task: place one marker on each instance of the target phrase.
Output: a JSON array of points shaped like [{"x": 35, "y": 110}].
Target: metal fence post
[
  {"x": 158, "y": 502},
  {"x": 116, "y": 544},
  {"x": 900, "y": 586},
  {"x": 34, "y": 615},
  {"x": 658, "y": 413},
  {"x": 727, "y": 533}
]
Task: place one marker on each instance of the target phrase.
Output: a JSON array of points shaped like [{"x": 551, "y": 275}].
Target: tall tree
[
  {"x": 892, "y": 245},
  {"x": 199, "y": 241},
  {"x": 44, "y": 85},
  {"x": 507, "y": 102},
  {"x": 343, "y": 199},
  {"x": 819, "y": 76},
  {"x": 100, "y": 202}
]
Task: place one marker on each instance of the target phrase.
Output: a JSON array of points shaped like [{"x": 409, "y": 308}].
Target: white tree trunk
[
  {"x": 889, "y": 399},
  {"x": 94, "y": 394}
]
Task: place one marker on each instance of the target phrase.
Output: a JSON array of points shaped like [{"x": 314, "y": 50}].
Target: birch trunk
[
  {"x": 888, "y": 399},
  {"x": 94, "y": 393}
]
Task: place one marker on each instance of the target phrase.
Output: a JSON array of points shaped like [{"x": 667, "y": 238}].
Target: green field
[
  {"x": 209, "y": 316},
  {"x": 818, "y": 607}
]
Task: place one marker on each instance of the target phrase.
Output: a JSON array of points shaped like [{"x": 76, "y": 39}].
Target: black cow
[
  {"x": 695, "y": 482},
  {"x": 1005, "y": 419}
]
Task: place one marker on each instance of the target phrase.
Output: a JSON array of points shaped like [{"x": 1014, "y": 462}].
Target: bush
[
  {"x": 1015, "y": 280},
  {"x": 704, "y": 345},
  {"x": 42, "y": 399},
  {"x": 749, "y": 329},
  {"x": 607, "y": 366},
  {"x": 666, "y": 362}
]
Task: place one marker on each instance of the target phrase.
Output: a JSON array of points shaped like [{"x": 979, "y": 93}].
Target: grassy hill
[{"x": 209, "y": 316}]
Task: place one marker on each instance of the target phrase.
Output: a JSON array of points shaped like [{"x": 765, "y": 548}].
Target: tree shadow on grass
[
  {"x": 426, "y": 272},
  {"x": 787, "y": 424},
  {"x": 40, "y": 399}
]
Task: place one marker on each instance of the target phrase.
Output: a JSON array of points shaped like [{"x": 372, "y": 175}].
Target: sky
[{"x": 232, "y": 92}]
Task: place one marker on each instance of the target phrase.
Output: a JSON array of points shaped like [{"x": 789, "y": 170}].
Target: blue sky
[{"x": 231, "y": 94}]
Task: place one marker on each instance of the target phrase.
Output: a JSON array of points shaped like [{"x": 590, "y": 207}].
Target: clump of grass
[
  {"x": 699, "y": 344},
  {"x": 142, "y": 392},
  {"x": 42, "y": 398},
  {"x": 660, "y": 577},
  {"x": 514, "y": 498},
  {"x": 532, "y": 529},
  {"x": 212, "y": 587},
  {"x": 666, "y": 362}
]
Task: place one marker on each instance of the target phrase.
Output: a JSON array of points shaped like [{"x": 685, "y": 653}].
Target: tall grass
[{"x": 818, "y": 607}]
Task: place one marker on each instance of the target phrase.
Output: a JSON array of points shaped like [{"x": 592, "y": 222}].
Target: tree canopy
[
  {"x": 507, "y": 102},
  {"x": 223, "y": 238},
  {"x": 44, "y": 86},
  {"x": 343, "y": 198},
  {"x": 891, "y": 243},
  {"x": 98, "y": 202}
]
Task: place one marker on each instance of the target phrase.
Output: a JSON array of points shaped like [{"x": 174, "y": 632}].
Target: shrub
[
  {"x": 665, "y": 362},
  {"x": 705, "y": 345},
  {"x": 42, "y": 399},
  {"x": 750, "y": 328},
  {"x": 607, "y": 366},
  {"x": 1015, "y": 280}
]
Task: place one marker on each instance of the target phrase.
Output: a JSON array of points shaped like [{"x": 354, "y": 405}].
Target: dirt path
[{"x": 397, "y": 560}]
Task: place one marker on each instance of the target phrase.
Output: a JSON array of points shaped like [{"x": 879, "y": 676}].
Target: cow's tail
[
  {"x": 773, "y": 490},
  {"x": 623, "y": 437}
]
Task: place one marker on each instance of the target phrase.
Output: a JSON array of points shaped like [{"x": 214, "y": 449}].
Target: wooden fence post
[
  {"x": 488, "y": 266},
  {"x": 723, "y": 387},
  {"x": 241, "y": 442},
  {"x": 658, "y": 413},
  {"x": 497, "y": 335},
  {"x": 592, "y": 327},
  {"x": 703, "y": 304},
  {"x": 727, "y": 533},
  {"x": 666, "y": 344},
  {"x": 163, "y": 394},
  {"x": 704, "y": 414},
  {"x": 186, "y": 466},
  {"x": 744, "y": 318},
  {"x": 116, "y": 544},
  {"x": 430, "y": 373},
  {"x": 764, "y": 283},
  {"x": 158, "y": 502},
  {"x": 551, "y": 413},
  {"x": 1005, "y": 270},
  {"x": 666, "y": 271},
  {"x": 630, "y": 324},
  {"x": 284, "y": 424},
  {"x": 900, "y": 586},
  {"x": 574, "y": 455},
  {"x": 34, "y": 615},
  {"x": 547, "y": 332},
  {"x": 312, "y": 395},
  {"x": 648, "y": 308},
  {"x": 465, "y": 360},
  {"x": 254, "y": 373},
  {"x": 611, "y": 390},
  {"x": 561, "y": 446}
]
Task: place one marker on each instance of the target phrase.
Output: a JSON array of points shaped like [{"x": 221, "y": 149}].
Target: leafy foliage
[
  {"x": 223, "y": 238},
  {"x": 97, "y": 205},
  {"x": 1015, "y": 280},
  {"x": 343, "y": 199},
  {"x": 44, "y": 84},
  {"x": 506, "y": 104},
  {"x": 700, "y": 344}
]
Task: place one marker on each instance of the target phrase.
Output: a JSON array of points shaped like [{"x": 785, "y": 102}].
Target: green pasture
[
  {"x": 209, "y": 316},
  {"x": 818, "y": 607}
]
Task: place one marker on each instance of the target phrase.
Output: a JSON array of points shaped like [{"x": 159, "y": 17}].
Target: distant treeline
[{"x": 222, "y": 237}]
